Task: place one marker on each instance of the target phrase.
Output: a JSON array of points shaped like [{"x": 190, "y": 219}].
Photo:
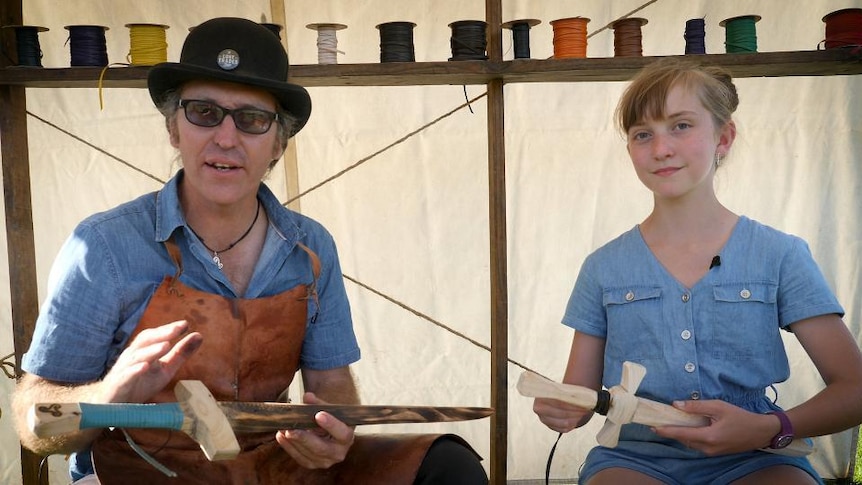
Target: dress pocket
[
  {"x": 635, "y": 323},
  {"x": 744, "y": 322}
]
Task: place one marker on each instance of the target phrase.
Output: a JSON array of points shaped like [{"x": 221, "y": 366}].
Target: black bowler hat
[{"x": 235, "y": 50}]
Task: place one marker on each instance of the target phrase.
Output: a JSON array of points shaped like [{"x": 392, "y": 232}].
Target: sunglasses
[{"x": 247, "y": 120}]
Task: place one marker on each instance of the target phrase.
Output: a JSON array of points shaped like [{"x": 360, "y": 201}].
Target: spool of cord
[
  {"x": 87, "y": 45},
  {"x": 468, "y": 40},
  {"x": 396, "y": 42},
  {"x": 148, "y": 45},
  {"x": 628, "y": 40},
  {"x": 740, "y": 34},
  {"x": 521, "y": 35},
  {"x": 327, "y": 42},
  {"x": 27, "y": 44},
  {"x": 570, "y": 37},
  {"x": 695, "y": 35},
  {"x": 274, "y": 28},
  {"x": 843, "y": 28}
]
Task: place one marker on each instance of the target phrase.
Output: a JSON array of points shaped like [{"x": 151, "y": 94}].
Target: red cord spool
[{"x": 843, "y": 28}]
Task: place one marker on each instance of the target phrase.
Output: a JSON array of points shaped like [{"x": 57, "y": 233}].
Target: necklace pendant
[{"x": 217, "y": 261}]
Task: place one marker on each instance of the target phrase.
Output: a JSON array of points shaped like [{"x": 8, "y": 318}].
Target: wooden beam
[
  {"x": 498, "y": 252},
  {"x": 15, "y": 156},
  {"x": 499, "y": 282}
]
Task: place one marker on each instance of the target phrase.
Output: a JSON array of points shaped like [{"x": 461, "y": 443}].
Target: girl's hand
[
  {"x": 560, "y": 416},
  {"x": 731, "y": 429}
]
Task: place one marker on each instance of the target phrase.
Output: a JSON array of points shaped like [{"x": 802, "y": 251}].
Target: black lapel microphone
[{"x": 716, "y": 261}]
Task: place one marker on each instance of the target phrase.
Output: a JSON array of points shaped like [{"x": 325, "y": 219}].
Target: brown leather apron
[{"x": 250, "y": 352}]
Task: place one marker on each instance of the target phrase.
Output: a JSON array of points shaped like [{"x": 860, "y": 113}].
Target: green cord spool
[{"x": 740, "y": 34}]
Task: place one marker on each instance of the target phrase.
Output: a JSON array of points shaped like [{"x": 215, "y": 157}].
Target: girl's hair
[
  {"x": 646, "y": 96},
  {"x": 285, "y": 123}
]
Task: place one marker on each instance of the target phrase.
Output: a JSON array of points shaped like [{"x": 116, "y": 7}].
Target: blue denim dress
[{"x": 716, "y": 340}]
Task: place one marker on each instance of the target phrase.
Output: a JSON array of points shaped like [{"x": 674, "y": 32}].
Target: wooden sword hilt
[
  {"x": 196, "y": 413},
  {"x": 626, "y": 408}
]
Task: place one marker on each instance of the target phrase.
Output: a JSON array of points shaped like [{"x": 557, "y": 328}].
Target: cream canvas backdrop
[{"x": 411, "y": 222}]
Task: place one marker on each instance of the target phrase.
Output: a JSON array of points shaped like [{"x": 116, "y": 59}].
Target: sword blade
[{"x": 253, "y": 417}]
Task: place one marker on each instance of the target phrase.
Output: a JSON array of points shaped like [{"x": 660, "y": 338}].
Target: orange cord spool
[
  {"x": 570, "y": 37},
  {"x": 628, "y": 37},
  {"x": 844, "y": 28}
]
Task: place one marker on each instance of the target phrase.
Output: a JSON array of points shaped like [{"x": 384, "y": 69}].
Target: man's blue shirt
[{"x": 108, "y": 269}]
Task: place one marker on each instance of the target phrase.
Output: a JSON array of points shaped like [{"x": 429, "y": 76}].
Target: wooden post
[
  {"x": 14, "y": 153},
  {"x": 290, "y": 163},
  {"x": 497, "y": 230}
]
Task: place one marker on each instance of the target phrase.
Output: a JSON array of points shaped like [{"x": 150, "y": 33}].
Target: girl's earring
[{"x": 717, "y": 160}]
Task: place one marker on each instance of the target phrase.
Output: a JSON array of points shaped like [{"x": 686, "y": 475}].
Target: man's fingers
[
  {"x": 336, "y": 430},
  {"x": 309, "y": 449},
  {"x": 155, "y": 344},
  {"x": 185, "y": 347},
  {"x": 163, "y": 333},
  {"x": 174, "y": 358}
]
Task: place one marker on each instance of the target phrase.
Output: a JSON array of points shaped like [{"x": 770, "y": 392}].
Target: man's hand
[
  {"x": 320, "y": 447},
  {"x": 149, "y": 363},
  {"x": 146, "y": 366}
]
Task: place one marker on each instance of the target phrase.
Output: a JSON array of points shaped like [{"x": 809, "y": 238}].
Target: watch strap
[{"x": 785, "y": 434}]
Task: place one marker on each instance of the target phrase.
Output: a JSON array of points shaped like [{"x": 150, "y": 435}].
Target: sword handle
[
  {"x": 531, "y": 384},
  {"x": 51, "y": 419}
]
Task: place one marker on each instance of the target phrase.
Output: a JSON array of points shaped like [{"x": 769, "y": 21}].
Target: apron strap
[
  {"x": 312, "y": 288},
  {"x": 174, "y": 252}
]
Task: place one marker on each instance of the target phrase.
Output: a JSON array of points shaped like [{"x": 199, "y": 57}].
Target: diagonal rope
[
  {"x": 430, "y": 320},
  {"x": 387, "y": 147},
  {"x": 94, "y": 147},
  {"x": 8, "y": 366},
  {"x": 611, "y": 23}
]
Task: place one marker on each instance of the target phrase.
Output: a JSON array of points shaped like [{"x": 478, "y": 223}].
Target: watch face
[{"x": 782, "y": 441}]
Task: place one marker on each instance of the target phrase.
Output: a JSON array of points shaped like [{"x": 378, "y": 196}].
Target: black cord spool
[
  {"x": 274, "y": 28},
  {"x": 27, "y": 44},
  {"x": 396, "y": 42},
  {"x": 468, "y": 40},
  {"x": 695, "y": 33},
  {"x": 87, "y": 45},
  {"x": 521, "y": 36}
]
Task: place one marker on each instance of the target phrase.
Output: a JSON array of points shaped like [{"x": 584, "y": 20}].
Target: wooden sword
[
  {"x": 212, "y": 423},
  {"x": 622, "y": 406}
]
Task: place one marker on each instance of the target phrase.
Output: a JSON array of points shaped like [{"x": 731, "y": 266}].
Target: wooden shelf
[
  {"x": 766, "y": 64},
  {"x": 844, "y": 61}
]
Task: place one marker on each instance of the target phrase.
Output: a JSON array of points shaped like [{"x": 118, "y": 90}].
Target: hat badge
[{"x": 228, "y": 59}]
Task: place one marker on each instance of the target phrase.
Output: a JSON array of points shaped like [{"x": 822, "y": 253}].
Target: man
[{"x": 212, "y": 279}]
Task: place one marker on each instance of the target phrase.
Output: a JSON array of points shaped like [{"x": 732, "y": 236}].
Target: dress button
[
  {"x": 695, "y": 395},
  {"x": 630, "y": 296},
  {"x": 745, "y": 294},
  {"x": 685, "y": 297},
  {"x": 686, "y": 334},
  {"x": 689, "y": 367}
]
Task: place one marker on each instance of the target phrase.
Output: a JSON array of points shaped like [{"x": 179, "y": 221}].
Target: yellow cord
[
  {"x": 148, "y": 44},
  {"x": 101, "y": 78}
]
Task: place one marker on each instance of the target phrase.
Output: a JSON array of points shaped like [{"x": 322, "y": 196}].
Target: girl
[{"x": 697, "y": 294}]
